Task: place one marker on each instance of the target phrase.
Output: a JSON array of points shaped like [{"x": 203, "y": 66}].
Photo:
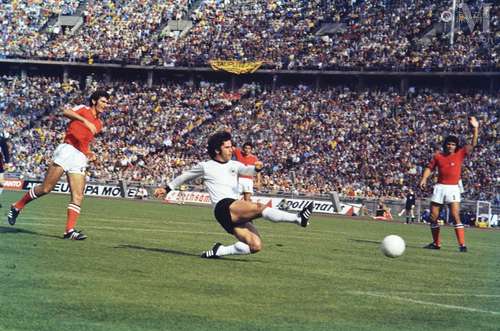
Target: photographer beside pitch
[
  {"x": 220, "y": 177},
  {"x": 447, "y": 190}
]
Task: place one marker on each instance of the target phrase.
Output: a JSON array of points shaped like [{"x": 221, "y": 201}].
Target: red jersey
[
  {"x": 250, "y": 159},
  {"x": 449, "y": 166},
  {"x": 77, "y": 134}
]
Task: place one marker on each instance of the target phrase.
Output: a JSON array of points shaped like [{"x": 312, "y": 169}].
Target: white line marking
[
  {"x": 391, "y": 297},
  {"x": 452, "y": 294}
]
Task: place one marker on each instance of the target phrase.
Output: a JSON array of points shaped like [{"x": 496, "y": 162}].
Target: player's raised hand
[
  {"x": 259, "y": 165},
  {"x": 473, "y": 122},
  {"x": 423, "y": 184}
]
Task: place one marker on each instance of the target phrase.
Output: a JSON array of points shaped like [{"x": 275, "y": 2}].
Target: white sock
[
  {"x": 1, "y": 190},
  {"x": 276, "y": 215},
  {"x": 238, "y": 248}
]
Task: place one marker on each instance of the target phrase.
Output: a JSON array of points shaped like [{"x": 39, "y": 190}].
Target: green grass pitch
[{"x": 140, "y": 270}]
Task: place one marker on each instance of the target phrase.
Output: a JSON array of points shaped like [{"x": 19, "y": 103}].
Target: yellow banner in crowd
[{"x": 235, "y": 67}]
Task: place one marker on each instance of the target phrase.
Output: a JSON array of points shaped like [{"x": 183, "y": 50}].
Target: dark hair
[
  {"x": 96, "y": 96},
  {"x": 451, "y": 139},
  {"x": 215, "y": 142},
  {"x": 248, "y": 143}
]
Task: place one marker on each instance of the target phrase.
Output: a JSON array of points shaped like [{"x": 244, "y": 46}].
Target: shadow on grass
[
  {"x": 171, "y": 251},
  {"x": 12, "y": 230},
  {"x": 159, "y": 250}
]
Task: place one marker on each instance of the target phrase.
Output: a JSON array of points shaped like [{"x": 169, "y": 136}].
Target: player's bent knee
[
  {"x": 255, "y": 246},
  {"x": 259, "y": 207}
]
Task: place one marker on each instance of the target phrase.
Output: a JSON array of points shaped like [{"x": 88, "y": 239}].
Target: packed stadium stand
[
  {"x": 363, "y": 143},
  {"x": 326, "y": 133},
  {"x": 362, "y": 34}
]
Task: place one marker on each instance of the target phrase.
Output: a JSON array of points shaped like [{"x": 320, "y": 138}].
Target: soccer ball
[{"x": 393, "y": 246}]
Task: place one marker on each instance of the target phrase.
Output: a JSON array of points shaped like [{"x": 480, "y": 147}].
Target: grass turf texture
[{"x": 140, "y": 270}]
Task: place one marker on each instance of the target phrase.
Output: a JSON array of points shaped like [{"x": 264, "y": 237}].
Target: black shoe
[
  {"x": 305, "y": 214},
  {"x": 432, "y": 246},
  {"x": 75, "y": 235},
  {"x": 12, "y": 215},
  {"x": 463, "y": 249},
  {"x": 212, "y": 254}
]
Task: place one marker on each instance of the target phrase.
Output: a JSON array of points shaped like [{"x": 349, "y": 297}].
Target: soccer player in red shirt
[
  {"x": 246, "y": 157},
  {"x": 70, "y": 157},
  {"x": 447, "y": 190}
]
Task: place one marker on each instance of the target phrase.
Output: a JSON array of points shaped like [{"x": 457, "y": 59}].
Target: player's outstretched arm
[
  {"x": 193, "y": 173},
  {"x": 474, "y": 123},
  {"x": 251, "y": 169}
]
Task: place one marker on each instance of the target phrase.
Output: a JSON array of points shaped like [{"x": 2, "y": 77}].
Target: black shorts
[
  {"x": 409, "y": 207},
  {"x": 223, "y": 214}
]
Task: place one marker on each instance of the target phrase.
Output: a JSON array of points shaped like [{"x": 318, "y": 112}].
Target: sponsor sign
[
  {"x": 113, "y": 191},
  {"x": 110, "y": 191},
  {"x": 295, "y": 205},
  {"x": 187, "y": 197},
  {"x": 13, "y": 184}
]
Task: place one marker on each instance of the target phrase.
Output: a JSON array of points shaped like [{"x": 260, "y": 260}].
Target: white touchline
[
  {"x": 452, "y": 294},
  {"x": 391, "y": 297}
]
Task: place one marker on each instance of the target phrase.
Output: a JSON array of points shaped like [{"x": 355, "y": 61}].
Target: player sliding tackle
[{"x": 220, "y": 177}]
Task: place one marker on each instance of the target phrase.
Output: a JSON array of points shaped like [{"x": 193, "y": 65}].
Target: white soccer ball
[{"x": 393, "y": 246}]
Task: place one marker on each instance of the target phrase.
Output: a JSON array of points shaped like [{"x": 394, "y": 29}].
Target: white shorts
[
  {"x": 446, "y": 193},
  {"x": 245, "y": 185},
  {"x": 70, "y": 159}
]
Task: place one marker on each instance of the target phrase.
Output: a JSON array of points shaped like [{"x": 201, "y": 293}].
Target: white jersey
[{"x": 220, "y": 179}]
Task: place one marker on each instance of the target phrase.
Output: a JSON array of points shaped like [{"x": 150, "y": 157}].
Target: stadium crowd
[
  {"x": 22, "y": 24},
  {"x": 377, "y": 35},
  {"x": 369, "y": 143},
  {"x": 370, "y": 34}
]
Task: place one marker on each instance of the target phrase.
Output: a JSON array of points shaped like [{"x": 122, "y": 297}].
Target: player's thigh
[
  {"x": 77, "y": 185},
  {"x": 242, "y": 211},
  {"x": 247, "y": 233},
  {"x": 53, "y": 175}
]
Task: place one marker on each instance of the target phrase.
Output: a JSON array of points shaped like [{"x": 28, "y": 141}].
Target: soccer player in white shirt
[{"x": 220, "y": 177}]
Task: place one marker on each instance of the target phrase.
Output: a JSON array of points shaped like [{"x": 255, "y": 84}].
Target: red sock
[
  {"x": 28, "y": 197},
  {"x": 460, "y": 233},
  {"x": 435, "y": 229},
  {"x": 73, "y": 213}
]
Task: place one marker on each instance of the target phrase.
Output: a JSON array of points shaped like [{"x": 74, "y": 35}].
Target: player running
[
  {"x": 220, "y": 177},
  {"x": 447, "y": 189},
  {"x": 70, "y": 157}
]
